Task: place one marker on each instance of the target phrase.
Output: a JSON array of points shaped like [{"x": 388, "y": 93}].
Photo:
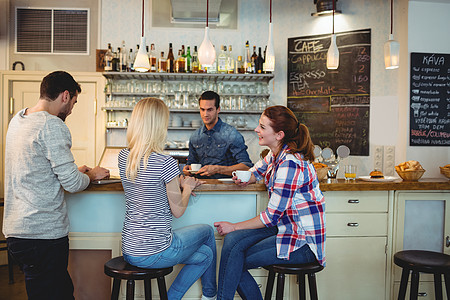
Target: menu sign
[
  {"x": 334, "y": 104},
  {"x": 429, "y": 119}
]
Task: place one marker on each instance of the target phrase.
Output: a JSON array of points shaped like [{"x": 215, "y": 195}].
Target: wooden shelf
[{"x": 187, "y": 76}]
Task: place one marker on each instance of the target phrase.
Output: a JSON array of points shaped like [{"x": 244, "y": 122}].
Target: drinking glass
[{"x": 350, "y": 172}]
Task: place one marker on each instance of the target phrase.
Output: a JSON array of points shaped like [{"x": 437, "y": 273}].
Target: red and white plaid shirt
[{"x": 296, "y": 204}]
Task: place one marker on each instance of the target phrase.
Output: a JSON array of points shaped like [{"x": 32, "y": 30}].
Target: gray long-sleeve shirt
[{"x": 39, "y": 166}]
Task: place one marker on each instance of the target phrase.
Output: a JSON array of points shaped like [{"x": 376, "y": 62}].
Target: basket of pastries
[
  {"x": 445, "y": 170},
  {"x": 321, "y": 170},
  {"x": 410, "y": 170}
]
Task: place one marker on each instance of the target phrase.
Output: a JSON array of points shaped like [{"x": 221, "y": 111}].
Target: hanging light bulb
[
  {"x": 269, "y": 63},
  {"x": 141, "y": 63},
  {"x": 206, "y": 52},
  {"x": 333, "y": 51},
  {"x": 391, "y": 49}
]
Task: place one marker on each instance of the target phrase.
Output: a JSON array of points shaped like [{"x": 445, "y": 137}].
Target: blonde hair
[{"x": 147, "y": 132}]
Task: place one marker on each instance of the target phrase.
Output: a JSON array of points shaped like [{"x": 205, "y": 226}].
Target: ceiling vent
[{"x": 193, "y": 11}]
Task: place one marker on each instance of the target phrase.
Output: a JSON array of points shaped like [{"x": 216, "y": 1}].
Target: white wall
[{"x": 428, "y": 31}]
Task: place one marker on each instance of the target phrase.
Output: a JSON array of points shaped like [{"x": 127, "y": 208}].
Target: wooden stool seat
[
  {"x": 301, "y": 270},
  {"x": 119, "y": 269},
  {"x": 417, "y": 261}
]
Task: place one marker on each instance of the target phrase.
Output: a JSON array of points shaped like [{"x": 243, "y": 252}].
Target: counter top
[{"x": 214, "y": 185}]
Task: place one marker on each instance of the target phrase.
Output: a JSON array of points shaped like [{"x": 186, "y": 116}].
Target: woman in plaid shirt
[{"x": 292, "y": 228}]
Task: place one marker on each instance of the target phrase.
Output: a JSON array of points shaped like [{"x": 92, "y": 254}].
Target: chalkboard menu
[
  {"x": 429, "y": 119},
  {"x": 334, "y": 104}
]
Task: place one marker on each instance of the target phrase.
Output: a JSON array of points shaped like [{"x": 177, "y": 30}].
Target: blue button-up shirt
[{"x": 222, "y": 145}]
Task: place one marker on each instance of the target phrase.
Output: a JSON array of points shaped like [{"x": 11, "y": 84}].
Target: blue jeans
[
  {"x": 193, "y": 246},
  {"x": 44, "y": 263},
  {"x": 248, "y": 249}
]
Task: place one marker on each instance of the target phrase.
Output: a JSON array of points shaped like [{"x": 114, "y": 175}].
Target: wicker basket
[
  {"x": 322, "y": 173},
  {"x": 445, "y": 172},
  {"x": 410, "y": 175}
]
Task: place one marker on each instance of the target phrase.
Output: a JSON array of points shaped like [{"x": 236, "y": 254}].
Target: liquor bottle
[
  {"x": 195, "y": 63},
  {"x": 115, "y": 62},
  {"x": 162, "y": 63},
  {"x": 240, "y": 65},
  {"x": 264, "y": 61},
  {"x": 108, "y": 59},
  {"x": 230, "y": 61},
  {"x": 130, "y": 61},
  {"x": 170, "y": 60},
  {"x": 222, "y": 60},
  {"x": 123, "y": 57},
  {"x": 188, "y": 60},
  {"x": 213, "y": 68},
  {"x": 152, "y": 58},
  {"x": 259, "y": 62},
  {"x": 180, "y": 62},
  {"x": 247, "y": 60},
  {"x": 253, "y": 59}
]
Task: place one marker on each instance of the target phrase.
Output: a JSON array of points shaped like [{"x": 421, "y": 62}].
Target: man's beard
[{"x": 64, "y": 113}]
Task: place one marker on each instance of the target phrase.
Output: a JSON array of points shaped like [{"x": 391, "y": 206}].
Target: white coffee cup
[
  {"x": 195, "y": 167},
  {"x": 243, "y": 176}
]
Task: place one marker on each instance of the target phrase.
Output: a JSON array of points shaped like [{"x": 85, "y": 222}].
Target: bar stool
[
  {"x": 301, "y": 270},
  {"x": 5, "y": 248},
  {"x": 118, "y": 269},
  {"x": 426, "y": 262}
]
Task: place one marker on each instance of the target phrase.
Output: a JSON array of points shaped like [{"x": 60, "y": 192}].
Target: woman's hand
[
  {"x": 187, "y": 182},
  {"x": 240, "y": 183},
  {"x": 224, "y": 227}
]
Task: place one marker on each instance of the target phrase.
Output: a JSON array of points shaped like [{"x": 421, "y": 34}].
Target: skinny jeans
[
  {"x": 194, "y": 246},
  {"x": 248, "y": 249}
]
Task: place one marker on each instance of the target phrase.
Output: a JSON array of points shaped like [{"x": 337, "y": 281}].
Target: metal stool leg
[
  {"x": 312, "y": 286},
  {"x": 280, "y": 286},
  {"x": 414, "y": 293},
  {"x": 403, "y": 284},
  {"x": 162, "y": 288},
  {"x": 447, "y": 284},
  {"x": 269, "y": 286},
  {"x": 437, "y": 286},
  {"x": 148, "y": 289},
  {"x": 301, "y": 286},
  {"x": 130, "y": 289},
  {"x": 115, "y": 289},
  {"x": 10, "y": 268}
]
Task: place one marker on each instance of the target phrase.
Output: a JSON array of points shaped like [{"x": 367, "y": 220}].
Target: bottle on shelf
[
  {"x": 222, "y": 60},
  {"x": 152, "y": 58},
  {"x": 253, "y": 60},
  {"x": 130, "y": 61},
  {"x": 123, "y": 57},
  {"x": 162, "y": 63},
  {"x": 195, "y": 62},
  {"x": 230, "y": 61},
  {"x": 116, "y": 62},
  {"x": 213, "y": 68},
  {"x": 259, "y": 62},
  {"x": 108, "y": 58},
  {"x": 188, "y": 59},
  {"x": 247, "y": 60},
  {"x": 180, "y": 62},
  {"x": 170, "y": 60},
  {"x": 240, "y": 65}
]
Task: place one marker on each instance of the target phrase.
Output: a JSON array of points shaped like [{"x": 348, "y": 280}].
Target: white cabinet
[
  {"x": 21, "y": 89},
  {"x": 422, "y": 222},
  {"x": 357, "y": 240}
]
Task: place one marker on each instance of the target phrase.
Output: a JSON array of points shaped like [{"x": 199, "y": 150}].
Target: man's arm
[{"x": 216, "y": 169}]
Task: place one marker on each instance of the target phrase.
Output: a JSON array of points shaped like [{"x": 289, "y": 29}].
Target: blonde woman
[{"x": 154, "y": 192}]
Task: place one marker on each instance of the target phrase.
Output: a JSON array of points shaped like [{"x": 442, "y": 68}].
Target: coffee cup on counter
[
  {"x": 243, "y": 176},
  {"x": 195, "y": 167}
]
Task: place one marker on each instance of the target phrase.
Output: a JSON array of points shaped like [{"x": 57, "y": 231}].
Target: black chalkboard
[
  {"x": 429, "y": 113},
  {"x": 334, "y": 104}
]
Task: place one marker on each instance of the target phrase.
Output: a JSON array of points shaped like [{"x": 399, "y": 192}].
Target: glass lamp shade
[
  {"x": 142, "y": 64},
  {"x": 270, "y": 53},
  {"x": 206, "y": 52},
  {"x": 391, "y": 53},
  {"x": 333, "y": 54}
]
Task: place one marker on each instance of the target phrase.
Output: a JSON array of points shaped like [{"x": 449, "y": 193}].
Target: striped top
[
  {"x": 147, "y": 228},
  {"x": 296, "y": 204}
]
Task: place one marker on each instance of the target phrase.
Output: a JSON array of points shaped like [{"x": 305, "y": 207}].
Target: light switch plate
[
  {"x": 389, "y": 160},
  {"x": 378, "y": 158}
]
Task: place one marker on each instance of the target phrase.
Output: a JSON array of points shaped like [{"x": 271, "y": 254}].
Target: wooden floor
[{"x": 15, "y": 291}]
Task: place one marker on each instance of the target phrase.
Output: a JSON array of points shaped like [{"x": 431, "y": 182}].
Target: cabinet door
[{"x": 355, "y": 269}]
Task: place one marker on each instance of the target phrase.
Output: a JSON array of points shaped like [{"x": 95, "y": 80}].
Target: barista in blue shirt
[{"x": 217, "y": 146}]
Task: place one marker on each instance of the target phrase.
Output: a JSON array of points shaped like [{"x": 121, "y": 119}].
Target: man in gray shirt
[{"x": 39, "y": 167}]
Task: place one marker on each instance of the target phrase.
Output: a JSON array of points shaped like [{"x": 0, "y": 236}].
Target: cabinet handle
[
  {"x": 352, "y": 224},
  {"x": 447, "y": 241},
  {"x": 424, "y": 294},
  {"x": 260, "y": 286},
  {"x": 11, "y": 106},
  {"x": 353, "y": 201},
  {"x": 95, "y": 106}
]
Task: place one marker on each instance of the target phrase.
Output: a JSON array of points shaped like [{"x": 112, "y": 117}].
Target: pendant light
[
  {"x": 206, "y": 52},
  {"x": 141, "y": 63},
  {"x": 391, "y": 48},
  {"x": 333, "y": 51},
  {"x": 269, "y": 63}
]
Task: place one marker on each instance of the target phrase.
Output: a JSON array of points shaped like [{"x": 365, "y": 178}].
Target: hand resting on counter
[{"x": 97, "y": 173}]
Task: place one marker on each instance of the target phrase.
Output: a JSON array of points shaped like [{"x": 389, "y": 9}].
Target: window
[{"x": 53, "y": 31}]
